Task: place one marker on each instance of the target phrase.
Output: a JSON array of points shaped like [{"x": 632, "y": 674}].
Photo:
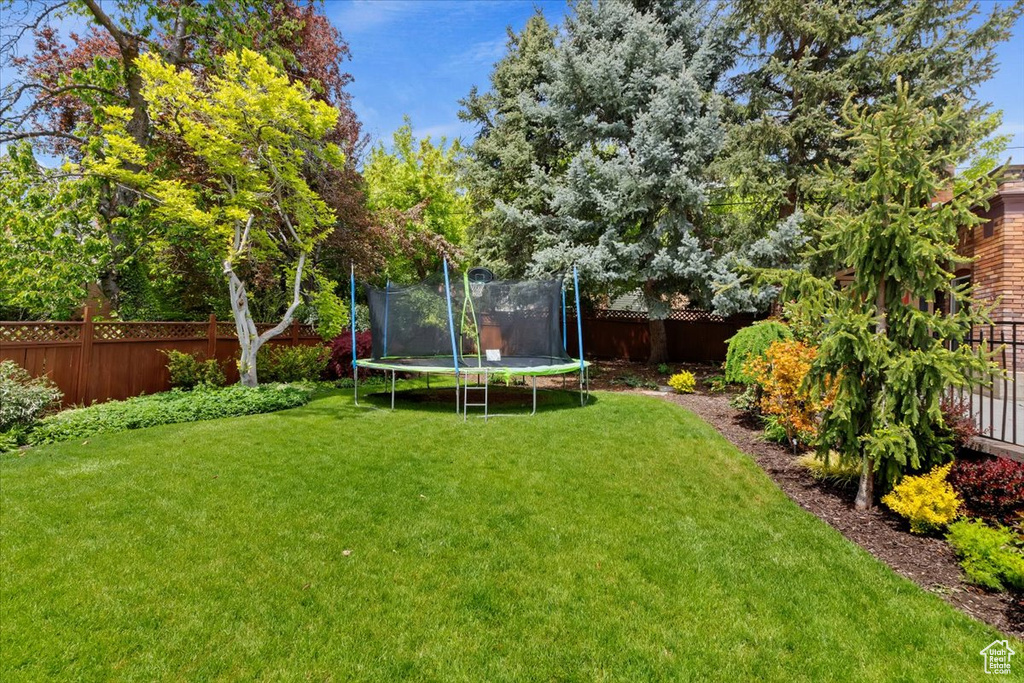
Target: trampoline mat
[{"x": 518, "y": 365}]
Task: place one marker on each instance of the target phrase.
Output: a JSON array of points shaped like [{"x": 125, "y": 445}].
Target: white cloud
[
  {"x": 452, "y": 131},
  {"x": 358, "y": 16},
  {"x": 483, "y": 53}
]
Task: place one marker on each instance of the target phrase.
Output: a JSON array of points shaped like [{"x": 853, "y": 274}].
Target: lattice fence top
[
  {"x": 56, "y": 332},
  {"x": 225, "y": 329},
  {"x": 693, "y": 315},
  {"x": 40, "y": 332},
  {"x": 113, "y": 331}
]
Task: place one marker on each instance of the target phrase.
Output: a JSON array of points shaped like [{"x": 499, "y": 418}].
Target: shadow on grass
[
  {"x": 437, "y": 400},
  {"x": 501, "y": 400}
]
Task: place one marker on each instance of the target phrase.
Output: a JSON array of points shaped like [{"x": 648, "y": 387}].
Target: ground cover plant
[
  {"x": 170, "y": 407},
  {"x": 579, "y": 544}
]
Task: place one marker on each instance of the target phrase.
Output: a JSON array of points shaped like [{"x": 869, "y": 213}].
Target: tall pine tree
[
  {"x": 887, "y": 359},
  {"x": 508, "y": 150},
  {"x": 629, "y": 97},
  {"x": 802, "y": 60}
]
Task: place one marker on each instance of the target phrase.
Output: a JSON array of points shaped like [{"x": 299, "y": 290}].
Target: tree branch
[
  {"x": 14, "y": 97},
  {"x": 22, "y": 135},
  {"x": 119, "y": 36},
  {"x": 16, "y": 37},
  {"x": 296, "y": 300}
]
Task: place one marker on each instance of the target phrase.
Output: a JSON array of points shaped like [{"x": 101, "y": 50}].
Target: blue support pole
[
  {"x": 451, "y": 319},
  {"x": 387, "y": 292},
  {"x": 565, "y": 330},
  {"x": 352, "y": 317},
  {"x": 352, "y": 310},
  {"x": 451, "y": 330},
  {"x": 579, "y": 317}
]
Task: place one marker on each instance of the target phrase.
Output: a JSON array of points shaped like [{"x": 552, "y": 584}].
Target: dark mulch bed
[
  {"x": 624, "y": 375},
  {"x": 929, "y": 562}
]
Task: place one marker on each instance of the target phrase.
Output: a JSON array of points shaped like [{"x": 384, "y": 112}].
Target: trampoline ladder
[{"x": 466, "y": 405}]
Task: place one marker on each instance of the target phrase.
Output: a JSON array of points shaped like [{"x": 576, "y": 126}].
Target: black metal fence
[{"x": 998, "y": 407}]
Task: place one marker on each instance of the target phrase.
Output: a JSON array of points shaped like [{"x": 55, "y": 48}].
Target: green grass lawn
[{"x": 623, "y": 541}]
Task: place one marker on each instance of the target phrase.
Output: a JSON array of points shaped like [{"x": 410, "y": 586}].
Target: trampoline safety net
[{"x": 501, "y": 323}]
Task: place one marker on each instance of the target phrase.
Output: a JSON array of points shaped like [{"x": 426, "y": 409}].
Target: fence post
[
  {"x": 85, "y": 357},
  {"x": 211, "y": 337},
  {"x": 295, "y": 332}
]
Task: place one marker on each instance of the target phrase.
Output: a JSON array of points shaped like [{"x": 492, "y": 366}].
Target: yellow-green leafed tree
[
  {"x": 415, "y": 189},
  {"x": 250, "y": 146}
]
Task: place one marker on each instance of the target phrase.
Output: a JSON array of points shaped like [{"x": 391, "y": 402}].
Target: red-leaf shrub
[
  {"x": 992, "y": 489},
  {"x": 956, "y": 414},
  {"x": 340, "y": 364}
]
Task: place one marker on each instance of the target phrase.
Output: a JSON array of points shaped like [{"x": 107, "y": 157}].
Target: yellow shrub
[
  {"x": 683, "y": 382},
  {"x": 927, "y": 501}
]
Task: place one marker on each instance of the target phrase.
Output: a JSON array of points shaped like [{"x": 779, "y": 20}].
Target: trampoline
[{"x": 471, "y": 326}]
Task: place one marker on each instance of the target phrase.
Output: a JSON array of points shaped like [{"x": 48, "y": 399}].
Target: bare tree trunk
[
  {"x": 656, "y": 324},
  {"x": 865, "y": 499},
  {"x": 866, "y": 486},
  {"x": 245, "y": 328},
  {"x": 249, "y": 339},
  {"x": 659, "y": 341}
]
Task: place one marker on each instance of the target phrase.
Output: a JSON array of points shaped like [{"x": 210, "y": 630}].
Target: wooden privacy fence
[
  {"x": 99, "y": 361},
  {"x": 694, "y": 336}
]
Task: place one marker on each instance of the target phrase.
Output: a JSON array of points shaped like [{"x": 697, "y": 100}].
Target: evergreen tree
[
  {"x": 629, "y": 95},
  {"x": 804, "y": 59},
  {"x": 887, "y": 360},
  {"x": 508, "y": 150}
]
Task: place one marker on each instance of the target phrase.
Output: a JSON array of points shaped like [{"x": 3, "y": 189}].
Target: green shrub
[
  {"x": 189, "y": 370},
  {"x": 664, "y": 369},
  {"x": 746, "y": 401},
  {"x": 362, "y": 318},
  {"x": 775, "y": 431},
  {"x": 989, "y": 557},
  {"x": 683, "y": 382},
  {"x": 716, "y": 383},
  {"x": 635, "y": 382},
  {"x": 751, "y": 342},
  {"x": 23, "y": 400},
  {"x": 292, "y": 363},
  {"x": 171, "y": 407}
]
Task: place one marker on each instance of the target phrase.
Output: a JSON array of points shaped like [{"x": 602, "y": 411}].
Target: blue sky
[{"x": 419, "y": 57}]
